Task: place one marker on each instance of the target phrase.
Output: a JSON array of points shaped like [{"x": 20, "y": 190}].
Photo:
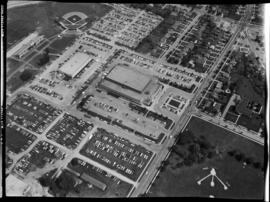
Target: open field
[
  {"x": 242, "y": 182},
  {"x": 12, "y": 65},
  {"x": 59, "y": 45}
]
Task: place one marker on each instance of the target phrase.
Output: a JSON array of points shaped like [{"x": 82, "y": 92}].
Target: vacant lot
[
  {"x": 42, "y": 17},
  {"x": 245, "y": 183}
]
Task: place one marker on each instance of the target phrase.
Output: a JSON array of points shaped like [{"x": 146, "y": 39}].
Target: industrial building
[{"x": 75, "y": 64}]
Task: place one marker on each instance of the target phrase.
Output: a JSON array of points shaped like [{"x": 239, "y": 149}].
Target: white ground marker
[{"x": 213, "y": 175}]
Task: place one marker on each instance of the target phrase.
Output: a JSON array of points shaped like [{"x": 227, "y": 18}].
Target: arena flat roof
[
  {"x": 128, "y": 77},
  {"x": 75, "y": 64}
]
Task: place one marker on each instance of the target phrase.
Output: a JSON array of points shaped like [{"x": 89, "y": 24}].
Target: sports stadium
[{"x": 73, "y": 21}]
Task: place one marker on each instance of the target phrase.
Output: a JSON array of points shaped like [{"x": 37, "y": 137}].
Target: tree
[
  {"x": 188, "y": 162},
  {"x": 26, "y": 75},
  {"x": 44, "y": 181},
  {"x": 231, "y": 153},
  {"x": 257, "y": 165},
  {"x": 249, "y": 160},
  {"x": 74, "y": 162},
  {"x": 239, "y": 156}
]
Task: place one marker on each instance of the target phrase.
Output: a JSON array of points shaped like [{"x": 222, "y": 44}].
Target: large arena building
[
  {"x": 75, "y": 64},
  {"x": 129, "y": 78},
  {"x": 129, "y": 83}
]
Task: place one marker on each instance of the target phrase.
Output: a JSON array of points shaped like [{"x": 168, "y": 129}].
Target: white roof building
[{"x": 75, "y": 64}]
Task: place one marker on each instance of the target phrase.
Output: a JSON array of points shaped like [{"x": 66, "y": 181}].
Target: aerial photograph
[{"x": 117, "y": 100}]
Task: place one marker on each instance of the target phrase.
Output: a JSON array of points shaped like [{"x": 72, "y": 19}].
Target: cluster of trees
[
  {"x": 44, "y": 59},
  {"x": 61, "y": 186},
  {"x": 26, "y": 75},
  {"x": 247, "y": 66},
  {"x": 239, "y": 156},
  {"x": 197, "y": 149},
  {"x": 153, "y": 39},
  {"x": 207, "y": 33}
]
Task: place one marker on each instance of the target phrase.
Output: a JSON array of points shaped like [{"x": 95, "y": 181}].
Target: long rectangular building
[
  {"x": 94, "y": 181},
  {"x": 23, "y": 47},
  {"x": 75, "y": 64}
]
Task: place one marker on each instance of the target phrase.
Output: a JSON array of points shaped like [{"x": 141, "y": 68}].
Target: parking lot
[
  {"x": 17, "y": 139},
  {"x": 117, "y": 153},
  {"x": 69, "y": 131},
  {"x": 138, "y": 30},
  {"x": 32, "y": 113},
  {"x": 119, "y": 114},
  {"x": 115, "y": 21},
  {"x": 42, "y": 154},
  {"x": 55, "y": 85}
]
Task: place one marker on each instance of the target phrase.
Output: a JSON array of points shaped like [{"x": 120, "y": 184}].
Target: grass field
[
  {"x": 12, "y": 65},
  {"x": 245, "y": 183},
  {"x": 15, "y": 82},
  {"x": 41, "y": 17},
  {"x": 59, "y": 45}
]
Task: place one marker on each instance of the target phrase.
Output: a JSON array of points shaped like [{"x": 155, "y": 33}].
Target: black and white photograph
[{"x": 135, "y": 100}]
